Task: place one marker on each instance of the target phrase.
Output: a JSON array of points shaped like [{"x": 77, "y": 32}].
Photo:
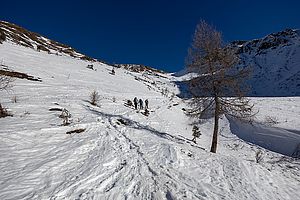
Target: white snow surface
[{"x": 148, "y": 157}]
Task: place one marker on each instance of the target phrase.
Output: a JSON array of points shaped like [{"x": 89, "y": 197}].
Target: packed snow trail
[{"x": 122, "y": 154}]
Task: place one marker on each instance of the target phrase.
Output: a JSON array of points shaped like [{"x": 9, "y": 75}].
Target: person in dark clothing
[
  {"x": 146, "y": 104},
  {"x": 135, "y": 101},
  {"x": 141, "y": 104}
]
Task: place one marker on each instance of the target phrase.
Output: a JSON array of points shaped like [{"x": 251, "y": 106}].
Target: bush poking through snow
[
  {"x": 5, "y": 82},
  {"x": 25, "y": 113},
  {"x": 4, "y": 112},
  {"x": 65, "y": 115},
  {"x": 271, "y": 120},
  {"x": 196, "y": 133},
  {"x": 94, "y": 98},
  {"x": 14, "y": 99},
  {"x": 259, "y": 156},
  {"x": 165, "y": 92},
  {"x": 90, "y": 67}
]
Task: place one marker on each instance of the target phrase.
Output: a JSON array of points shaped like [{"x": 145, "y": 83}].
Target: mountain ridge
[
  {"x": 275, "y": 60},
  {"x": 24, "y": 37}
]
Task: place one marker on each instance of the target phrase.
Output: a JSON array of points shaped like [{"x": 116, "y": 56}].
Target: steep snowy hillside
[
  {"x": 21, "y": 36},
  {"x": 120, "y": 152},
  {"x": 275, "y": 60}
]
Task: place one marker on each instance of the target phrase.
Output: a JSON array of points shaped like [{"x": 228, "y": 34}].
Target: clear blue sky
[{"x": 154, "y": 32}]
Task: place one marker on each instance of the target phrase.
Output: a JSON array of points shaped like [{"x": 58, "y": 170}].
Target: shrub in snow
[
  {"x": 14, "y": 99},
  {"x": 259, "y": 156},
  {"x": 5, "y": 82},
  {"x": 94, "y": 98},
  {"x": 271, "y": 120},
  {"x": 113, "y": 72},
  {"x": 196, "y": 133},
  {"x": 4, "y": 112},
  {"x": 2, "y": 37},
  {"x": 90, "y": 67},
  {"x": 165, "y": 92},
  {"x": 65, "y": 115}
]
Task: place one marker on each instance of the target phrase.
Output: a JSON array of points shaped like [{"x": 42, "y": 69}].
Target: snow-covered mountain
[
  {"x": 21, "y": 36},
  {"x": 275, "y": 60},
  {"x": 112, "y": 151}
]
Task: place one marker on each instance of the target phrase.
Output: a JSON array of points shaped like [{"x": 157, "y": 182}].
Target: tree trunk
[{"x": 216, "y": 126}]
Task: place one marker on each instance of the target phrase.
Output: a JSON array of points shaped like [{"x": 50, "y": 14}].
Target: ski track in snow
[{"x": 148, "y": 158}]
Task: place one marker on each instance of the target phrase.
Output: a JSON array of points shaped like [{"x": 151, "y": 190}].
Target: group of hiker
[{"x": 140, "y": 103}]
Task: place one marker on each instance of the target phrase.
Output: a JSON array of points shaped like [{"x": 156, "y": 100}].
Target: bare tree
[{"x": 218, "y": 87}]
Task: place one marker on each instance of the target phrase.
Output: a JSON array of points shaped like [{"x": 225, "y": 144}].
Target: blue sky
[{"x": 155, "y": 33}]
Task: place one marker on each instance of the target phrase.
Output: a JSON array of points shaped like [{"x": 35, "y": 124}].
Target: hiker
[
  {"x": 141, "y": 104},
  {"x": 113, "y": 71},
  {"x": 135, "y": 101},
  {"x": 146, "y": 104}
]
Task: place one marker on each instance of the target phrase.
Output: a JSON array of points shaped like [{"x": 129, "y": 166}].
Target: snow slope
[{"x": 123, "y": 154}]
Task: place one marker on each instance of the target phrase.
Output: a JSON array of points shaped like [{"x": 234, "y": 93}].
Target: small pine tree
[
  {"x": 94, "y": 98},
  {"x": 196, "y": 133},
  {"x": 65, "y": 115},
  {"x": 259, "y": 156}
]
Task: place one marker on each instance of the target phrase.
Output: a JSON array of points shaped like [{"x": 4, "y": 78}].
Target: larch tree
[{"x": 218, "y": 86}]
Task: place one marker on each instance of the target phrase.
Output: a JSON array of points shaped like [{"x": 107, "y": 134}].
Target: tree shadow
[{"x": 272, "y": 138}]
